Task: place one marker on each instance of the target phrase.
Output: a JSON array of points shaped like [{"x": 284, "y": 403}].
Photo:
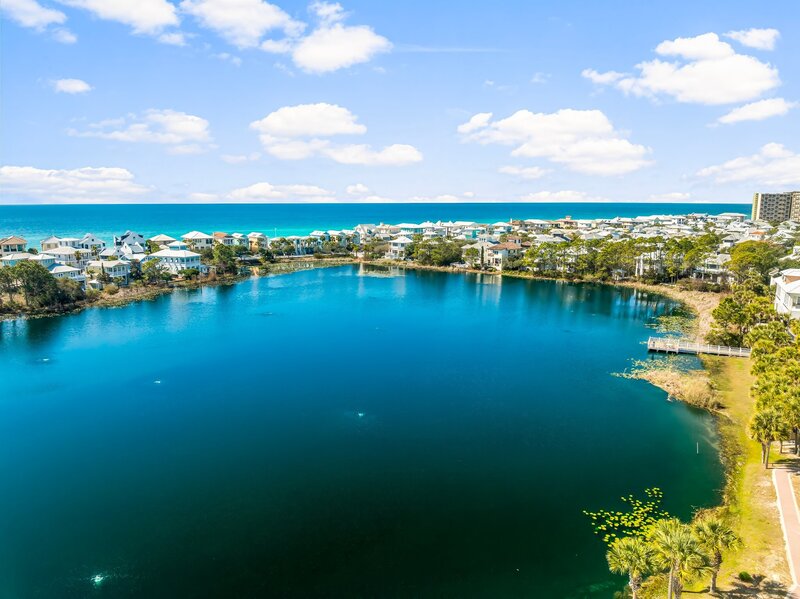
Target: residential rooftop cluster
[{"x": 499, "y": 246}]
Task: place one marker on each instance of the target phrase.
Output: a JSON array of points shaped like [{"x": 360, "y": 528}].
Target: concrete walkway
[{"x": 790, "y": 522}]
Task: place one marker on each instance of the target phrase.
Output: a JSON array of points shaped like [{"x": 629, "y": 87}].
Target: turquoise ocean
[{"x": 37, "y": 222}]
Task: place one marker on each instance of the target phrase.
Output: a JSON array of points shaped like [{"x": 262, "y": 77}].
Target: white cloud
[
  {"x": 64, "y": 36},
  {"x": 174, "y": 38},
  {"x": 240, "y": 158},
  {"x": 774, "y": 165},
  {"x": 267, "y": 192},
  {"x": 761, "y": 39},
  {"x": 183, "y": 133},
  {"x": 530, "y": 172},
  {"x": 393, "y": 155},
  {"x": 675, "y": 196},
  {"x": 308, "y": 120},
  {"x": 707, "y": 71},
  {"x": 540, "y": 77},
  {"x": 201, "y": 198},
  {"x": 276, "y": 46},
  {"x": 143, "y": 16},
  {"x": 601, "y": 78},
  {"x": 357, "y": 189},
  {"x": 30, "y": 13},
  {"x": 299, "y": 132},
  {"x": 71, "y": 86},
  {"x": 445, "y": 198},
  {"x": 758, "y": 111},
  {"x": 566, "y": 195},
  {"x": 88, "y": 184},
  {"x": 225, "y": 56},
  {"x": 478, "y": 121},
  {"x": 241, "y": 22},
  {"x": 332, "y": 45},
  {"x": 584, "y": 141},
  {"x": 702, "y": 47}
]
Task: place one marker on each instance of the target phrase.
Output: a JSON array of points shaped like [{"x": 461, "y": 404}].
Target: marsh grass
[{"x": 692, "y": 386}]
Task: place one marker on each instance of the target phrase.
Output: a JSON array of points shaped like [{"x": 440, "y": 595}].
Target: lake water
[
  {"x": 35, "y": 223},
  {"x": 335, "y": 432}
]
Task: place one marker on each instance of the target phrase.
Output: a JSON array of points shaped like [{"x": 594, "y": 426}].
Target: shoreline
[{"x": 137, "y": 293}]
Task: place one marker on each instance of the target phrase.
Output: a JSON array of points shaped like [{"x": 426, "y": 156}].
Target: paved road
[{"x": 790, "y": 522}]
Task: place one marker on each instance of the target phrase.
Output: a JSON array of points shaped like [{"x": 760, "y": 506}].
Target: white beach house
[
  {"x": 397, "y": 248},
  {"x": 198, "y": 241},
  {"x": 162, "y": 239},
  {"x": 71, "y": 256},
  {"x": 787, "y": 292},
  {"x": 178, "y": 257},
  {"x": 118, "y": 270},
  {"x": 130, "y": 238},
  {"x": 51, "y": 242},
  {"x": 91, "y": 242},
  {"x": 62, "y": 271},
  {"x": 12, "y": 245},
  {"x": 45, "y": 260}
]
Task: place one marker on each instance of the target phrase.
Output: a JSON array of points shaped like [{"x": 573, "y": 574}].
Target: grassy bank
[{"x": 749, "y": 494}]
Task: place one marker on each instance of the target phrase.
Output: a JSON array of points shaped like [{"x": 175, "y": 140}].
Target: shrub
[
  {"x": 111, "y": 289},
  {"x": 745, "y": 577}
]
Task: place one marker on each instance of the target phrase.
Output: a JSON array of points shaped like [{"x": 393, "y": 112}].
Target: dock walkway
[{"x": 679, "y": 346}]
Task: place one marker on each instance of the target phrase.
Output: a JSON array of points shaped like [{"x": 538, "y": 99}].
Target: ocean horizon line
[{"x": 431, "y": 203}]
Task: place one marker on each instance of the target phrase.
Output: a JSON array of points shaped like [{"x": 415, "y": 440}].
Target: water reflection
[{"x": 35, "y": 332}]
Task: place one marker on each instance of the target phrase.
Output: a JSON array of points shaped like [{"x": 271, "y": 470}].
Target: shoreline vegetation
[{"x": 122, "y": 296}]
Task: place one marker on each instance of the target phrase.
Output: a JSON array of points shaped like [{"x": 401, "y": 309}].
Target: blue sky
[{"x": 248, "y": 101}]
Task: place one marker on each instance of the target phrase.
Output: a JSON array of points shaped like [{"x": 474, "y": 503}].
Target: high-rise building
[{"x": 777, "y": 207}]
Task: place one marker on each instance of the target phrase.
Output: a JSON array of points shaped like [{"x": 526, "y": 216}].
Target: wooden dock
[{"x": 678, "y": 346}]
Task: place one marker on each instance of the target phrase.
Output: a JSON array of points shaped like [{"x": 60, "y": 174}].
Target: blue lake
[{"x": 347, "y": 431}]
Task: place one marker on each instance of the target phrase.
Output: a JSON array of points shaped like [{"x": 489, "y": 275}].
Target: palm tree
[
  {"x": 715, "y": 536},
  {"x": 765, "y": 427},
  {"x": 677, "y": 550},
  {"x": 631, "y": 556}
]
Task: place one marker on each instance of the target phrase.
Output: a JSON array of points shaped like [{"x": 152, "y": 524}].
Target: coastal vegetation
[
  {"x": 661, "y": 260},
  {"x": 757, "y": 402},
  {"x": 657, "y": 552},
  {"x": 29, "y": 285},
  {"x": 29, "y": 288}
]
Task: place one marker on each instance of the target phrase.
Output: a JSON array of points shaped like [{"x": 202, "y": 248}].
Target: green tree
[
  {"x": 8, "y": 282},
  {"x": 633, "y": 557},
  {"x": 715, "y": 537},
  {"x": 37, "y": 284},
  {"x": 151, "y": 272},
  {"x": 677, "y": 550},
  {"x": 472, "y": 256},
  {"x": 190, "y": 273},
  {"x": 766, "y": 426},
  {"x": 225, "y": 259},
  {"x": 754, "y": 258}
]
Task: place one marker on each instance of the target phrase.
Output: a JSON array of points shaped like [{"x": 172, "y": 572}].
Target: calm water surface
[{"x": 337, "y": 432}]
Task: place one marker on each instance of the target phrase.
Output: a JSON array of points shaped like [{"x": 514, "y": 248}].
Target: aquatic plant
[{"x": 635, "y": 520}]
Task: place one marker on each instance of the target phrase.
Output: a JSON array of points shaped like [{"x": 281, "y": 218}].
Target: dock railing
[{"x": 679, "y": 346}]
